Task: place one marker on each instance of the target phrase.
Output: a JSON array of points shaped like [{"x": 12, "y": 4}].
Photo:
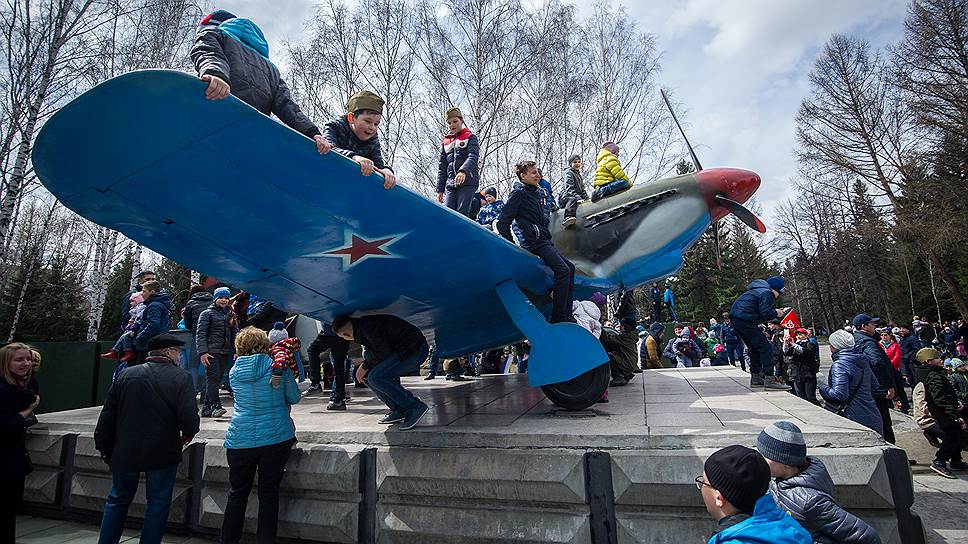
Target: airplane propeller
[{"x": 737, "y": 209}]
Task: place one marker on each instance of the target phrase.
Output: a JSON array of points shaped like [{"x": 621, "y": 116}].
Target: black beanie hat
[{"x": 740, "y": 474}]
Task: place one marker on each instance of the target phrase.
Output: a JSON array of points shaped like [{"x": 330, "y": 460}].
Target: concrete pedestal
[{"x": 496, "y": 462}]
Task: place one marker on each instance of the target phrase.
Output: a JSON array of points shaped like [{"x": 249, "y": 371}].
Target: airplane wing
[{"x": 223, "y": 189}]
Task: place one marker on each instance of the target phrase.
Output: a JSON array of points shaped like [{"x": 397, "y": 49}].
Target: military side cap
[
  {"x": 926, "y": 354},
  {"x": 365, "y": 100},
  {"x": 453, "y": 112}
]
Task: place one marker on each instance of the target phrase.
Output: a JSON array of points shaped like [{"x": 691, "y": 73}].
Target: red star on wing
[{"x": 360, "y": 248}]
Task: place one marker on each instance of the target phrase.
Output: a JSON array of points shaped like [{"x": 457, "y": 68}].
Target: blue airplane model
[{"x": 223, "y": 189}]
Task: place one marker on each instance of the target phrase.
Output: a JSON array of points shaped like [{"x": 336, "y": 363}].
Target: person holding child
[
  {"x": 354, "y": 135},
  {"x": 156, "y": 318},
  {"x": 610, "y": 178},
  {"x": 123, "y": 350},
  {"x": 232, "y": 55},
  {"x": 525, "y": 207},
  {"x": 457, "y": 172}
]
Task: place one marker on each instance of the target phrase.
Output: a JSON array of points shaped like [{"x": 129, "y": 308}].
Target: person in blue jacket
[
  {"x": 156, "y": 318},
  {"x": 753, "y": 307},
  {"x": 491, "y": 211},
  {"x": 850, "y": 383},
  {"x": 734, "y": 487},
  {"x": 259, "y": 436},
  {"x": 670, "y": 301}
]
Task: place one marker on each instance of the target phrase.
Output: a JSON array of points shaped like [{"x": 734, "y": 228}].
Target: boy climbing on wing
[
  {"x": 525, "y": 206},
  {"x": 354, "y": 135},
  {"x": 609, "y": 176},
  {"x": 232, "y": 55}
]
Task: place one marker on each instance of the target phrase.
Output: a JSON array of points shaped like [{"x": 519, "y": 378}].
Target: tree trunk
[
  {"x": 135, "y": 262},
  {"x": 103, "y": 257}
]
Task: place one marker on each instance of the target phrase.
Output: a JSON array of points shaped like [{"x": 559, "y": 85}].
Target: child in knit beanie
[
  {"x": 285, "y": 354},
  {"x": 734, "y": 487},
  {"x": 803, "y": 487},
  {"x": 278, "y": 333}
]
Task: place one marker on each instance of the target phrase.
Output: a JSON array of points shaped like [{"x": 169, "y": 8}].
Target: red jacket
[{"x": 893, "y": 351}]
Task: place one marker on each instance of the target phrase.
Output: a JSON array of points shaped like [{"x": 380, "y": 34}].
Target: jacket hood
[
  {"x": 161, "y": 297},
  {"x": 203, "y": 296},
  {"x": 850, "y": 357},
  {"x": 767, "y": 526},
  {"x": 815, "y": 476},
  {"x": 922, "y": 371},
  {"x": 602, "y": 153},
  {"x": 248, "y": 33},
  {"x": 758, "y": 284},
  {"x": 250, "y": 368}
]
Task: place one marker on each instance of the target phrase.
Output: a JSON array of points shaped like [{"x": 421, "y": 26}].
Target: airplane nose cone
[{"x": 733, "y": 183}]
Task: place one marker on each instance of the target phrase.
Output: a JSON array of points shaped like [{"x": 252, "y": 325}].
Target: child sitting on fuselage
[
  {"x": 610, "y": 178},
  {"x": 354, "y": 135}
]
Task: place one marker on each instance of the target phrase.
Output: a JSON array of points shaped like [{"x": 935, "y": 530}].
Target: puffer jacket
[
  {"x": 490, "y": 213},
  {"x": 756, "y": 304},
  {"x": 459, "y": 153},
  {"x": 344, "y": 140},
  {"x": 608, "y": 168},
  {"x": 215, "y": 333},
  {"x": 921, "y": 414},
  {"x": 851, "y": 374},
  {"x": 649, "y": 354},
  {"x": 155, "y": 320},
  {"x": 809, "y": 498},
  {"x": 260, "y": 415},
  {"x": 524, "y": 207},
  {"x": 194, "y": 308},
  {"x": 877, "y": 358},
  {"x": 939, "y": 395},
  {"x": 621, "y": 349},
  {"x": 768, "y": 525},
  {"x": 893, "y": 351},
  {"x": 959, "y": 380},
  {"x": 574, "y": 185},
  {"x": 588, "y": 315},
  {"x": 237, "y": 52}
]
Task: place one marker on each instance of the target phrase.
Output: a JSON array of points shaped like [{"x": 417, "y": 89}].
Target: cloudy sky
[{"x": 739, "y": 67}]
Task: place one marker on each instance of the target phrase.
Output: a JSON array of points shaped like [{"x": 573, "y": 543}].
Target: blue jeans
[
  {"x": 434, "y": 365},
  {"x": 735, "y": 353},
  {"x": 761, "y": 349},
  {"x": 384, "y": 380},
  {"x": 159, "y": 484},
  {"x": 672, "y": 312}
]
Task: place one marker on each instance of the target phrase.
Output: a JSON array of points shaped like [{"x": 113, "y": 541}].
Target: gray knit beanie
[
  {"x": 783, "y": 442},
  {"x": 841, "y": 339}
]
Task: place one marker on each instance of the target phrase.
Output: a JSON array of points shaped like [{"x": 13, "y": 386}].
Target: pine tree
[
  {"x": 176, "y": 279},
  {"x": 118, "y": 285}
]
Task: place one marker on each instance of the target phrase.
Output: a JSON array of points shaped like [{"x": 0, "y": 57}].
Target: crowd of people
[{"x": 154, "y": 407}]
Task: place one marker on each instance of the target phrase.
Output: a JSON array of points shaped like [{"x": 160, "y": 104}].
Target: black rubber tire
[{"x": 581, "y": 391}]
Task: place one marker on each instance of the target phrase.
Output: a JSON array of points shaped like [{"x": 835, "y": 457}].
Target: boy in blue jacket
[
  {"x": 753, "y": 307},
  {"x": 734, "y": 487},
  {"x": 525, "y": 206}
]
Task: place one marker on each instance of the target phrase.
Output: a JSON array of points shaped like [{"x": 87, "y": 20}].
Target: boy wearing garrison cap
[
  {"x": 457, "y": 175},
  {"x": 232, "y": 55},
  {"x": 734, "y": 486},
  {"x": 803, "y": 487},
  {"x": 354, "y": 135}
]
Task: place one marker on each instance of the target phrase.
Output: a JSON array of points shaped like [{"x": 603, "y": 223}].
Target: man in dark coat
[
  {"x": 909, "y": 348},
  {"x": 655, "y": 295},
  {"x": 394, "y": 348},
  {"x": 338, "y": 349},
  {"x": 574, "y": 191},
  {"x": 753, "y": 307},
  {"x": 943, "y": 405},
  {"x": 149, "y": 414},
  {"x": 865, "y": 343},
  {"x": 734, "y": 347},
  {"x": 525, "y": 207},
  {"x": 232, "y": 55}
]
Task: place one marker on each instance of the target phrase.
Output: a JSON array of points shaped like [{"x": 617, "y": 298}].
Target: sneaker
[
  {"x": 959, "y": 465},
  {"x": 414, "y": 417},
  {"x": 774, "y": 383},
  {"x": 756, "y": 380},
  {"x": 360, "y": 385},
  {"x": 109, "y": 355},
  {"x": 429, "y": 377},
  {"x": 458, "y": 379},
  {"x": 392, "y": 417},
  {"x": 568, "y": 222},
  {"x": 206, "y": 411},
  {"x": 618, "y": 381},
  {"x": 637, "y": 370},
  {"x": 313, "y": 389},
  {"x": 218, "y": 411},
  {"x": 942, "y": 469},
  {"x": 336, "y": 405}
]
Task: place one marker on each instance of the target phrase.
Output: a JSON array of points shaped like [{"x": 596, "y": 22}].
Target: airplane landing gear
[{"x": 581, "y": 391}]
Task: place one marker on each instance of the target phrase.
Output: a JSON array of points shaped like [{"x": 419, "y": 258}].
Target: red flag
[{"x": 791, "y": 320}]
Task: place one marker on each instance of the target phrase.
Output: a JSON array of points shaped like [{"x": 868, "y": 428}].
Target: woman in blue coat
[
  {"x": 260, "y": 435},
  {"x": 851, "y": 383}
]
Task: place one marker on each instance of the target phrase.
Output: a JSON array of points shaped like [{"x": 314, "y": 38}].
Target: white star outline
[{"x": 348, "y": 243}]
